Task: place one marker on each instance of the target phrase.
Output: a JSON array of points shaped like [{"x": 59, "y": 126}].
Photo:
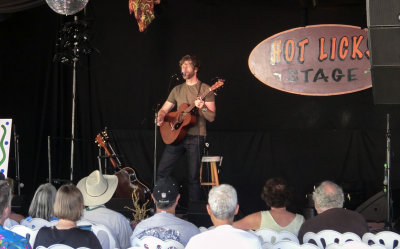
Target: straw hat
[{"x": 96, "y": 188}]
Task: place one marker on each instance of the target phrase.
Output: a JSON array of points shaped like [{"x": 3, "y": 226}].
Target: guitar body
[
  {"x": 128, "y": 182},
  {"x": 127, "y": 179},
  {"x": 174, "y": 128}
]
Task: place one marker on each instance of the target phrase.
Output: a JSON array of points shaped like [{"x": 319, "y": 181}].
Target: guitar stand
[
  {"x": 99, "y": 157},
  {"x": 106, "y": 158}
]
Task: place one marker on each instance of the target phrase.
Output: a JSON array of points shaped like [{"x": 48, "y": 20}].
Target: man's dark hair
[
  {"x": 192, "y": 58},
  {"x": 5, "y": 196},
  {"x": 276, "y": 193}
]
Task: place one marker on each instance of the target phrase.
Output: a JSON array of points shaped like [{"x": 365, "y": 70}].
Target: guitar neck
[
  {"x": 190, "y": 108},
  {"x": 109, "y": 151},
  {"x": 112, "y": 160}
]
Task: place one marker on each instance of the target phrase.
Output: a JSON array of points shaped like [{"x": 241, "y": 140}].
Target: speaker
[
  {"x": 383, "y": 19},
  {"x": 375, "y": 208},
  {"x": 383, "y": 12}
]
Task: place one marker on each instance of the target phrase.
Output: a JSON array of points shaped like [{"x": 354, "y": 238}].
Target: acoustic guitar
[
  {"x": 127, "y": 179},
  {"x": 174, "y": 128}
]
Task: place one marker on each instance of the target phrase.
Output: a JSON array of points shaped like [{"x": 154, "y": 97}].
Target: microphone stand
[
  {"x": 49, "y": 157},
  {"x": 386, "y": 182},
  {"x": 16, "y": 150},
  {"x": 155, "y": 145},
  {"x": 175, "y": 77}
]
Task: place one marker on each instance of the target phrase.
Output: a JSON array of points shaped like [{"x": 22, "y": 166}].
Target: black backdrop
[{"x": 261, "y": 132}]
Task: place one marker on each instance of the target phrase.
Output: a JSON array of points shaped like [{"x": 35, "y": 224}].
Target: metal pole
[
  {"x": 75, "y": 59},
  {"x": 49, "y": 156},
  {"x": 16, "y": 150},
  {"x": 388, "y": 224},
  {"x": 155, "y": 148},
  {"x": 73, "y": 120},
  {"x": 99, "y": 159}
]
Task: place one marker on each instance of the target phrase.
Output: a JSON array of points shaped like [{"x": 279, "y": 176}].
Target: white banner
[{"x": 5, "y": 135}]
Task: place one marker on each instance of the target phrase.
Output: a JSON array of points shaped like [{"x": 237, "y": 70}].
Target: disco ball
[{"x": 67, "y": 7}]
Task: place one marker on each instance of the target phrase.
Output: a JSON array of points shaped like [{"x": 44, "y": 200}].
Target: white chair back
[
  {"x": 354, "y": 245},
  {"x": 151, "y": 242},
  {"x": 271, "y": 236},
  {"x": 23, "y": 231},
  {"x": 388, "y": 239},
  {"x": 103, "y": 234},
  {"x": 59, "y": 246},
  {"x": 8, "y": 223},
  {"x": 326, "y": 237},
  {"x": 36, "y": 223},
  {"x": 285, "y": 244},
  {"x": 55, "y": 246}
]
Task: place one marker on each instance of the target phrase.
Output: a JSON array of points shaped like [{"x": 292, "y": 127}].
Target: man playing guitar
[{"x": 192, "y": 143}]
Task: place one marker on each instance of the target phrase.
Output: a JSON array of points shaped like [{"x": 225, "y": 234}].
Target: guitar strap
[
  {"x": 198, "y": 92},
  {"x": 195, "y": 111}
]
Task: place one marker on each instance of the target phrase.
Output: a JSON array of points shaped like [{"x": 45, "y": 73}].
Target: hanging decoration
[
  {"x": 73, "y": 42},
  {"x": 67, "y": 7},
  {"x": 144, "y": 12}
]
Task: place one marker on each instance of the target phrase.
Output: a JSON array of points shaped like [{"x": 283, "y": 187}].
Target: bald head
[{"x": 328, "y": 195}]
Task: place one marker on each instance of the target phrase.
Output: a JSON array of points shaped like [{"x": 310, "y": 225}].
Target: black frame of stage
[{"x": 261, "y": 132}]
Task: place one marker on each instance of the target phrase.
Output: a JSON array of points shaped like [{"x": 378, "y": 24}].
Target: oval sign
[{"x": 317, "y": 60}]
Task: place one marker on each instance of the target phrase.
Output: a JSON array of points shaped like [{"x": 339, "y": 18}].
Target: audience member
[
  {"x": 222, "y": 207},
  {"x": 164, "y": 224},
  {"x": 97, "y": 189},
  {"x": 43, "y": 202},
  {"x": 276, "y": 195},
  {"x": 68, "y": 207},
  {"x": 8, "y": 239},
  {"x": 328, "y": 201},
  {"x": 14, "y": 218}
]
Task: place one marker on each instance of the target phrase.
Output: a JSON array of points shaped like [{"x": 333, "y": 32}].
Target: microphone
[{"x": 183, "y": 74}]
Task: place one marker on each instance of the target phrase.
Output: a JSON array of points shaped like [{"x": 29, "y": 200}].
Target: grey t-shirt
[
  {"x": 184, "y": 93},
  {"x": 165, "y": 226}
]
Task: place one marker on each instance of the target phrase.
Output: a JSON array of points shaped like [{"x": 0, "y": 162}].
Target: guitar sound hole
[{"x": 177, "y": 125}]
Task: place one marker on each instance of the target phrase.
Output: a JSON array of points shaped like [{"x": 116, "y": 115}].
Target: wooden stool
[{"x": 212, "y": 162}]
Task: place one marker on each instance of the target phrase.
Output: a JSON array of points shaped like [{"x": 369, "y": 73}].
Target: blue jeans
[{"x": 193, "y": 146}]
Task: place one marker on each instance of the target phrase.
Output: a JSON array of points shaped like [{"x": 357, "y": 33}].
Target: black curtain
[{"x": 260, "y": 132}]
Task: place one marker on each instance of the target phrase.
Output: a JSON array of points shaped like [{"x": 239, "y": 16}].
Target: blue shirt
[{"x": 12, "y": 240}]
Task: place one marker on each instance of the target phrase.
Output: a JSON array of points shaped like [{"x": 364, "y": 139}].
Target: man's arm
[
  {"x": 208, "y": 111},
  {"x": 167, "y": 106}
]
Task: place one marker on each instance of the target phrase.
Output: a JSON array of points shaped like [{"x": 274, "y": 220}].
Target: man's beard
[{"x": 188, "y": 76}]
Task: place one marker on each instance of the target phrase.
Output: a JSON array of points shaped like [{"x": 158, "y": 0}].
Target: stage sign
[
  {"x": 5, "y": 134},
  {"x": 315, "y": 60}
]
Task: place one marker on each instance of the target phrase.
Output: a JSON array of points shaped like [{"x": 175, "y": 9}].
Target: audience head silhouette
[
  {"x": 222, "y": 203},
  {"x": 5, "y": 201},
  {"x": 166, "y": 193},
  {"x": 97, "y": 189},
  {"x": 42, "y": 202},
  {"x": 69, "y": 203},
  {"x": 328, "y": 195},
  {"x": 276, "y": 193}
]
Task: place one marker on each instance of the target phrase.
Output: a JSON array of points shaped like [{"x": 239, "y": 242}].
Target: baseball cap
[{"x": 166, "y": 190}]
